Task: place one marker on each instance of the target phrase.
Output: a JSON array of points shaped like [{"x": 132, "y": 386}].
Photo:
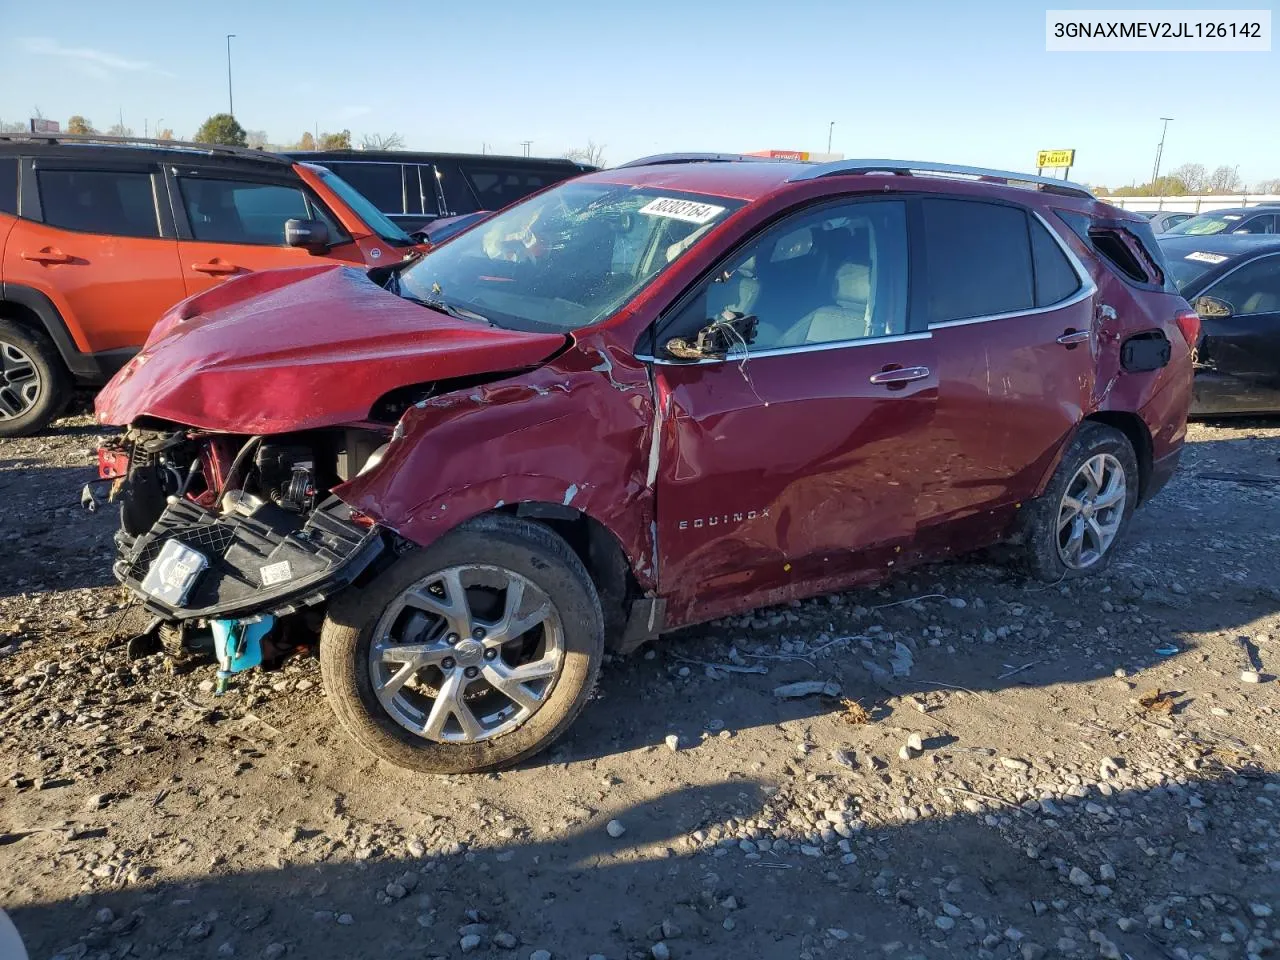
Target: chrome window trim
[
  {"x": 785, "y": 351},
  {"x": 1087, "y": 287},
  {"x": 1206, "y": 291}
]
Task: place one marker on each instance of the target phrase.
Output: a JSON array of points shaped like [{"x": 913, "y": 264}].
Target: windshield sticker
[
  {"x": 1206, "y": 257},
  {"x": 1231, "y": 216},
  {"x": 688, "y": 210}
]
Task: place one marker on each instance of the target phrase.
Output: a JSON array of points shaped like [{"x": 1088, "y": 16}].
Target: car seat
[{"x": 848, "y": 318}]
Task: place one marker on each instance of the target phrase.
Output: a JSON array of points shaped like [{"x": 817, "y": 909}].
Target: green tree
[
  {"x": 336, "y": 141},
  {"x": 80, "y": 125},
  {"x": 221, "y": 128}
]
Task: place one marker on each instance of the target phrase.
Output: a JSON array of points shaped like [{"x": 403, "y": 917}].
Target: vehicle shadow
[
  {"x": 47, "y": 541},
  {"x": 999, "y": 875}
]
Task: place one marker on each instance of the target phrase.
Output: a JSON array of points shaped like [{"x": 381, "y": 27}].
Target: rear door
[
  {"x": 233, "y": 223},
  {"x": 793, "y": 465},
  {"x": 1010, "y": 311},
  {"x": 95, "y": 242},
  {"x": 1246, "y": 345}
]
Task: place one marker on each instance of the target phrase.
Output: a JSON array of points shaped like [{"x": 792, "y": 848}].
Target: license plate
[{"x": 173, "y": 573}]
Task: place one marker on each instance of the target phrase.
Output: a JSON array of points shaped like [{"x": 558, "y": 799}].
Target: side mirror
[
  {"x": 311, "y": 234},
  {"x": 1211, "y": 308},
  {"x": 716, "y": 339}
]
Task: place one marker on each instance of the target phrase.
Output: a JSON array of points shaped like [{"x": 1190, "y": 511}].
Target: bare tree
[
  {"x": 592, "y": 154},
  {"x": 12, "y": 126},
  {"x": 1267, "y": 186},
  {"x": 1194, "y": 175},
  {"x": 255, "y": 139},
  {"x": 1224, "y": 180},
  {"x": 120, "y": 130},
  {"x": 378, "y": 141}
]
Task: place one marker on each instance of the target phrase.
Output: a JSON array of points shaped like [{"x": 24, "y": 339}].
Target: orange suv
[{"x": 99, "y": 236}]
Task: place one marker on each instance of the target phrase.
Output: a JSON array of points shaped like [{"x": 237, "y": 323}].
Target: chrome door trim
[{"x": 738, "y": 356}]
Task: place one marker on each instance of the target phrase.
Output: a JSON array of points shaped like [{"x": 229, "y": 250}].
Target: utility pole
[
  {"x": 1155, "y": 171},
  {"x": 830, "y": 128},
  {"x": 526, "y": 144},
  {"x": 231, "y": 103}
]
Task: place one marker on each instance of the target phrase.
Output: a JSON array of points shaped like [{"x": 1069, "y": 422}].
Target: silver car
[{"x": 1162, "y": 220}]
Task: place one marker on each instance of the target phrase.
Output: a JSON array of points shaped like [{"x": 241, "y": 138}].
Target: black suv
[{"x": 413, "y": 189}]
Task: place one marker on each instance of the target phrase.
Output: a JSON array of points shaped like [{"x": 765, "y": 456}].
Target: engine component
[{"x": 287, "y": 475}]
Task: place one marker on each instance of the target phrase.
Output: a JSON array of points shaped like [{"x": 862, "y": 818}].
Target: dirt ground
[{"x": 1097, "y": 775}]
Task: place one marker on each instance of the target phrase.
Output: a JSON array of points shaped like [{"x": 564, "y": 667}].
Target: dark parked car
[
  {"x": 414, "y": 189},
  {"x": 1262, "y": 219},
  {"x": 1233, "y": 282},
  {"x": 647, "y": 397}
]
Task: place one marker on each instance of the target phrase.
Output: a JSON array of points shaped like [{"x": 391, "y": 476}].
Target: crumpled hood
[{"x": 293, "y": 349}]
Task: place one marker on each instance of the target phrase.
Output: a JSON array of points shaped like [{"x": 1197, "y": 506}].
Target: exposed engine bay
[{"x": 216, "y": 526}]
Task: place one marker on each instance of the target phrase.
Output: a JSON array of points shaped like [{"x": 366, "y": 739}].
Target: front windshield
[
  {"x": 566, "y": 258},
  {"x": 1207, "y": 224},
  {"x": 365, "y": 210}
]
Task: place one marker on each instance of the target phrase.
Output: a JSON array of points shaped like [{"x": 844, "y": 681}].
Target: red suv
[
  {"x": 647, "y": 397},
  {"x": 100, "y": 235}
]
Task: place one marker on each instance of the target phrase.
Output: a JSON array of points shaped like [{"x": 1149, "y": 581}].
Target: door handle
[
  {"x": 47, "y": 255},
  {"x": 214, "y": 267},
  {"x": 1071, "y": 337},
  {"x": 899, "y": 375}
]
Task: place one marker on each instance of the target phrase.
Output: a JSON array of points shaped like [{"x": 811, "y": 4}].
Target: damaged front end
[{"x": 231, "y": 531}]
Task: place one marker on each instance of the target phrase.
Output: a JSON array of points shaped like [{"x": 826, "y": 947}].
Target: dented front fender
[{"x": 574, "y": 432}]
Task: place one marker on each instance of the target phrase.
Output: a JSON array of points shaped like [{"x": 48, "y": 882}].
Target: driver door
[
  {"x": 1246, "y": 345},
  {"x": 790, "y": 465}
]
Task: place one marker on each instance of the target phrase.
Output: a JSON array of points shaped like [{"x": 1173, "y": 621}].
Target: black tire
[
  {"x": 1037, "y": 540},
  {"x": 54, "y": 383},
  {"x": 527, "y": 548}
]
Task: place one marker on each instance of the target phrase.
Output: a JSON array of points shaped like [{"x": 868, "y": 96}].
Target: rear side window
[
  {"x": 379, "y": 182},
  {"x": 9, "y": 185},
  {"x": 235, "y": 211},
  {"x": 1056, "y": 279},
  {"x": 495, "y": 187},
  {"x": 1128, "y": 246},
  {"x": 978, "y": 260},
  {"x": 115, "y": 202}
]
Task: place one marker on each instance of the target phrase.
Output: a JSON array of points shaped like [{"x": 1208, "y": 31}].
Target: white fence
[{"x": 1199, "y": 204}]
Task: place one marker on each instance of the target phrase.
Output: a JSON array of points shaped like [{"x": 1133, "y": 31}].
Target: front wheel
[
  {"x": 469, "y": 655},
  {"x": 1072, "y": 529}
]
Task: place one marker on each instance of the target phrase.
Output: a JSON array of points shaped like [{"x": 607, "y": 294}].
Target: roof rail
[
  {"x": 184, "y": 145},
  {"x": 658, "y": 158},
  {"x": 840, "y": 168}
]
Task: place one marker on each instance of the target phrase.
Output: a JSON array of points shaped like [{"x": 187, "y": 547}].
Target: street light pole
[
  {"x": 231, "y": 104},
  {"x": 831, "y": 127},
  {"x": 1155, "y": 171}
]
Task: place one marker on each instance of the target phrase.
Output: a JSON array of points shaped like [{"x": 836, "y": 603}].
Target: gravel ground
[{"x": 978, "y": 766}]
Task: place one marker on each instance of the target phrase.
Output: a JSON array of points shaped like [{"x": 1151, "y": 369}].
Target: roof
[
  {"x": 415, "y": 156},
  {"x": 1229, "y": 244},
  {"x": 751, "y": 178},
  {"x": 64, "y": 144},
  {"x": 1256, "y": 208}
]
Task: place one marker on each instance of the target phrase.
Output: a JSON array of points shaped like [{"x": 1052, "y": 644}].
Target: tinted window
[
  {"x": 834, "y": 275},
  {"x": 99, "y": 201},
  {"x": 495, "y": 187},
  {"x": 1178, "y": 218},
  {"x": 457, "y": 195},
  {"x": 1254, "y": 288},
  {"x": 1055, "y": 277},
  {"x": 1257, "y": 225},
  {"x": 234, "y": 211},
  {"x": 8, "y": 185},
  {"x": 978, "y": 260},
  {"x": 380, "y": 182}
]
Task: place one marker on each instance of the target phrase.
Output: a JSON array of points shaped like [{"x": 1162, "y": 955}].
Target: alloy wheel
[
  {"x": 466, "y": 654},
  {"x": 1091, "y": 511},
  {"x": 19, "y": 382}
]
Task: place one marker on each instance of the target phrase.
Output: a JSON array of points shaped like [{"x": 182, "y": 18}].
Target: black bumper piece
[{"x": 324, "y": 554}]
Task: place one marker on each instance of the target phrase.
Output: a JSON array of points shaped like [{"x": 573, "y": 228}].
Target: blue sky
[{"x": 960, "y": 82}]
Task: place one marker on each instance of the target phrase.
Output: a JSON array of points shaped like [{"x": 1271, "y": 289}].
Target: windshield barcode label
[{"x": 677, "y": 209}]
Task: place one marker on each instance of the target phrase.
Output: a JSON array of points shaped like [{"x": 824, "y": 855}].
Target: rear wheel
[
  {"x": 469, "y": 655},
  {"x": 1072, "y": 529},
  {"x": 34, "y": 386}
]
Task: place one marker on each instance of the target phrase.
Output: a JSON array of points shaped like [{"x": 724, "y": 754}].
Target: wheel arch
[
  {"x": 1139, "y": 436},
  {"x": 34, "y": 310}
]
